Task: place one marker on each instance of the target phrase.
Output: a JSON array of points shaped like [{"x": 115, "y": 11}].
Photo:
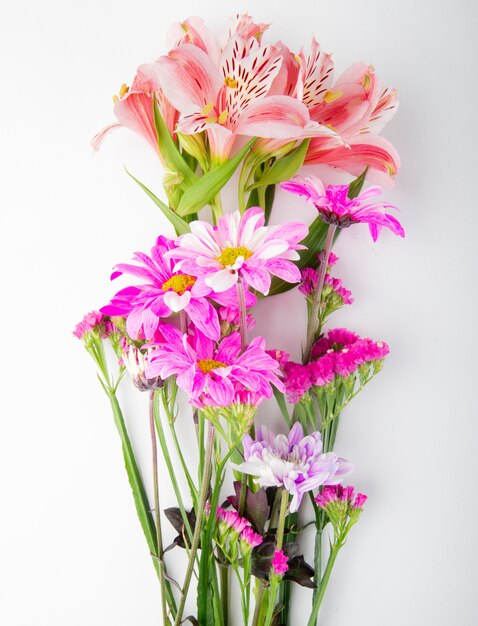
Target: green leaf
[
  {"x": 209, "y": 185},
  {"x": 170, "y": 151},
  {"x": 284, "y": 167},
  {"x": 282, "y": 404},
  {"x": 180, "y": 225},
  {"x": 356, "y": 185},
  {"x": 315, "y": 242}
]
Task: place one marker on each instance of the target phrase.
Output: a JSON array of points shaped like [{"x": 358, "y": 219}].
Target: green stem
[
  {"x": 260, "y": 602},
  {"x": 323, "y": 585},
  {"x": 157, "y": 510},
  {"x": 275, "y": 580},
  {"x": 169, "y": 465},
  {"x": 224, "y": 576},
  {"x": 317, "y": 300},
  {"x": 197, "y": 529}
]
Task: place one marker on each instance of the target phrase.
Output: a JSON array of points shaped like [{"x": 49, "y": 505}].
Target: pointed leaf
[
  {"x": 284, "y": 167},
  {"x": 356, "y": 185},
  {"x": 257, "y": 507},
  {"x": 170, "y": 151},
  {"x": 209, "y": 185},
  {"x": 180, "y": 225}
]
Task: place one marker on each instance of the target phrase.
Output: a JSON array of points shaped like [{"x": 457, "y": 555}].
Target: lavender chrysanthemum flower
[
  {"x": 335, "y": 207},
  {"x": 294, "y": 462},
  {"x": 209, "y": 373}
]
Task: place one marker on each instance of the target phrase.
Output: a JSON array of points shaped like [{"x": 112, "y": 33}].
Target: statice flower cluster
[{"x": 337, "y": 356}]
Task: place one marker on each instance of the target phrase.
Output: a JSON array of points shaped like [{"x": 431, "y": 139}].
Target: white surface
[{"x": 71, "y": 550}]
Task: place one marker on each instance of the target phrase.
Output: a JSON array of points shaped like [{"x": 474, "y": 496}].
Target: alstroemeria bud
[{"x": 136, "y": 362}]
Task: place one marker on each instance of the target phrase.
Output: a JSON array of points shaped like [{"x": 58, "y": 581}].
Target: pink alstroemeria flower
[
  {"x": 165, "y": 292},
  {"x": 230, "y": 97},
  {"x": 335, "y": 207},
  {"x": 209, "y": 373},
  {"x": 240, "y": 247},
  {"x": 134, "y": 108},
  {"x": 355, "y": 106}
]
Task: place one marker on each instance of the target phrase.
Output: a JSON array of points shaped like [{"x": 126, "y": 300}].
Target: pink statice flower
[
  {"x": 94, "y": 321},
  {"x": 229, "y": 319},
  {"x": 335, "y": 207},
  {"x": 334, "y": 294},
  {"x": 163, "y": 293},
  {"x": 279, "y": 563},
  {"x": 293, "y": 462},
  {"x": 297, "y": 380},
  {"x": 251, "y": 538},
  {"x": 209, "y": 372},
  {"x": 344, "y": 351},
  {"x": 240, "y": 246},
  {"x": 342, "y": 506},
  {"x": 231, "y": 520}
]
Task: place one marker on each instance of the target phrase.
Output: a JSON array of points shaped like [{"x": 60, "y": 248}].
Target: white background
[{"x": 71, "y": 550}]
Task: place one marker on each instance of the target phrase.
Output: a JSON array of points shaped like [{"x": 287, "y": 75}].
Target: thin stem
[
  {"x": 275, "y": 580},
  {"x": 323, "y": 585},
  {"x": 260, "y": 588},
  {"x": 224, "y": 576},
  {"x": 157, "y": 512},
  {"x": 242, "y": 312},
  {"x": 169, "y": 465},
  {"x": 197, "y": 528},
  {"x": 317, "y": 301}
]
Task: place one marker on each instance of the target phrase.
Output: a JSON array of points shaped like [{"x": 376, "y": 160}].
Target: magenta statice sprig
[{"x": 182, "y": 325}]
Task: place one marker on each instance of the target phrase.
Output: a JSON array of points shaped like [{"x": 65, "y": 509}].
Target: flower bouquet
[{"x": 183, "y": 322}]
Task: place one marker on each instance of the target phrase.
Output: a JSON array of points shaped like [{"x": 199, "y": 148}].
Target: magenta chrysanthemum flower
[
  {"x": 279, "y": 563},
  {"x": 209, "y": 373},
  {"x": 293, "y": 462},
  {"x": 335, "y": 207},
  {"x": 93, "y": 321},
  {"x": 165, "y": 292},
  {"x": 240, "y": 247}
]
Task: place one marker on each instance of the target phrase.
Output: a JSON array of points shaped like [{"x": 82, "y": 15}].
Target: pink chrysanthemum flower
[
  {"x": 93, "y": 321},
  {"x": 335, "y": 207},
  {"x": 294, "y": 462},
  {"x": 240, "y": 247},
  {"x": 279, "y": 563},
  {"x": 165, "y": 292},
  {"x": 209, "y": 373}
]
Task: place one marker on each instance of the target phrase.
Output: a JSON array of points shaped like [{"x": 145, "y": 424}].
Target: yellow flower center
[
  {"x": 123, "y": 90},
  {"x": 179, "y": 283},
  {"x": 330, "y": 96},
  {"x": 230, "y": 82},
  {"x": 230, "y": 255},
  {"x": 207, "y": 365}
]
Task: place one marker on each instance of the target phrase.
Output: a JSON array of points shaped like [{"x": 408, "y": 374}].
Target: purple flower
[
  {"x": 279, "y": 563},
  {"x": 164, "y": 293},
  {"x": 209, "y": 373},
  {"x": 293, "y": 462},
  {"x": 240, "y": 246},
  {"x": 335, "y": 207}
]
